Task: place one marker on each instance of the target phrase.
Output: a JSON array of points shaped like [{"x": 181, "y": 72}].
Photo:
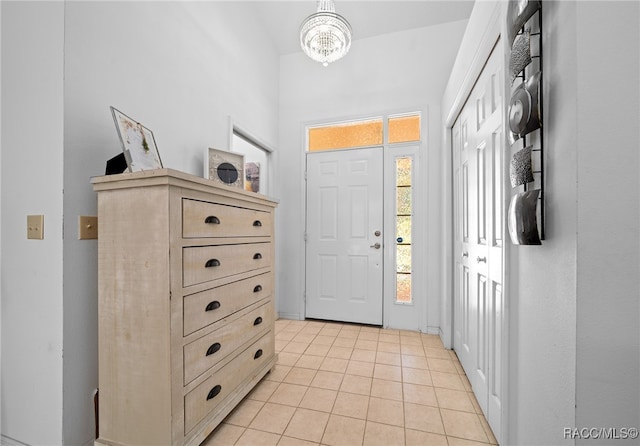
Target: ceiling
[{"x": 282, "y": 19}]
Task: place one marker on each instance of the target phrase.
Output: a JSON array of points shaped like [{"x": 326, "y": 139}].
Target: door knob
[
  {"x": 375, "y": 245},
  {"x": 377, "y": 233}
]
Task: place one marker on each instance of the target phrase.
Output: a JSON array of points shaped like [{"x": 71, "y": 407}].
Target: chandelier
[{"x": 325, "y": 36}]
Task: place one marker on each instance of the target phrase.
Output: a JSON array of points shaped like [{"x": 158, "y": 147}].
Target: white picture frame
[
  {"x": 226, "y": 168},
  {"x": 138, "y": 144}
]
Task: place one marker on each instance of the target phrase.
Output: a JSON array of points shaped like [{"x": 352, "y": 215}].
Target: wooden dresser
[{"x": 186, "y": 304}]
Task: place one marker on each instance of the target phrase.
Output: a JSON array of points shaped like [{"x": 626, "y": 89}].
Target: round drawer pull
[
  {"x": 257, "y": 288},
  {"x": 212, "y": 219},
  {"x": 258, "y": 354},
  {"x": 211, "y": 263},
  {"x": 212, "y": 306},
  {"x": 214, "y": 348},
  {"x": 257, "y": 256},
  {"x": 258, "y": 321},
  {"x": 214, "y": 392},
  {"x": 257, "y": 223}
]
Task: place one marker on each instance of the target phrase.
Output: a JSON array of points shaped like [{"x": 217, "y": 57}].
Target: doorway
[
  {"x": 363, "y": 221},
  {"x": 344, "y": 262}
]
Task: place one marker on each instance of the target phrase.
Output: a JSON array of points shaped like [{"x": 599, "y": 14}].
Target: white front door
[
  {"x": 479, "y": 306},
  {"x": 344, "y": 235}
]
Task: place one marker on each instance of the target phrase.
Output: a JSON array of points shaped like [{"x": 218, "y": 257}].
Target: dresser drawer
[
  {"x": 205, "y": 308},
  {"x": 203, "y": 219},
  {"x": 207, "y": 396},
  {"x": 204, "y": 353},
  {"x": 205, "y": 263}
]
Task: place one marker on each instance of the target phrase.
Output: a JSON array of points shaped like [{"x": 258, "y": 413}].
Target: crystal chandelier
[{"x": 325, "y": 36}]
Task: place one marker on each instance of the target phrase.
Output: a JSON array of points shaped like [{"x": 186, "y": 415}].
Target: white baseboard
[
  {"x": 434, "y": 331},
  {"x": 290, "y": 316},
  {"x": 8, "y": 441}
]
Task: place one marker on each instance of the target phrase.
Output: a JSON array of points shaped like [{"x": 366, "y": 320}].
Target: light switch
[
  {"x": 35, "y": 227},
  {"x": 87, "y": 227}
]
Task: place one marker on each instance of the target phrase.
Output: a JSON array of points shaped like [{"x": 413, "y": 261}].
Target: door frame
[
  {"x": 421, "y": 231},
  {"x": 488, "y": 22}
]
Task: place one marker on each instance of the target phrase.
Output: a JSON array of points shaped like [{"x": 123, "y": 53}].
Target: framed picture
[
  {"x": 226, "y": 167},
  {"x": 138, "y": 144},
  {"x": 252, "y": 176}
]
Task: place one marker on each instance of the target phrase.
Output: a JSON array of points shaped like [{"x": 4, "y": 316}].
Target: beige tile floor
[{"x": 343, "y": 384}]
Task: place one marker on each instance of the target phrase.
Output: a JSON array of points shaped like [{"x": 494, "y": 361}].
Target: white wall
[
  {"x": 403, "y": 71},
  {"x": 32, "y": 182},
  {"x": 608, "y": 216},
  {"x": 180, "y": 68}
]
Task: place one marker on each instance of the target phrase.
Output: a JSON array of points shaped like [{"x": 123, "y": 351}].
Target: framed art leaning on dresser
[{"x": 185, "y": 304}]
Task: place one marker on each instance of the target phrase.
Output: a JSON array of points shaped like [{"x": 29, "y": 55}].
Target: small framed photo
[
  {"x": 138, "y": 144},
  {"x": 226, "y": 167},
  {"x": 252, "y": 176}
]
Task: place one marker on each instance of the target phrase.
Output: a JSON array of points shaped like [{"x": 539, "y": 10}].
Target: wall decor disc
[
  {"x": 524, "y": 107},
  {"x": 519, "y": 110}
]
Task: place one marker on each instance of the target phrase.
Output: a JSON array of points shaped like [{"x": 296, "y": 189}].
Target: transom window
[{"x": 364, "y": 132}]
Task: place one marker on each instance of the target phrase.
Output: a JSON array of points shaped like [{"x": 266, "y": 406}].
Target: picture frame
[
  {"x": 252, "y": 176},
  {"x": 226, "y": 168},
  {"x": 138, "y": 143}
]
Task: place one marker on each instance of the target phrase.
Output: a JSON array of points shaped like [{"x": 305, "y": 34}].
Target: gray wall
[
  {"x": 543, "y": 293},
  {"x": 574, "y": 316},
  {"x": 608, "y": 216},
  {"x": 32, "y": 183},
  {"x": 182, "y": 70},
  {"x": 573, "y": 303}
]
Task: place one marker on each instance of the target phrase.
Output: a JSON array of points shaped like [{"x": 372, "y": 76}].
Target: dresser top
[{"x": 171, "y": 177}]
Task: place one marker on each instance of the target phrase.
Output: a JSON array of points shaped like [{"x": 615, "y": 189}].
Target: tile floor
[{"x": 343, "y": 384}]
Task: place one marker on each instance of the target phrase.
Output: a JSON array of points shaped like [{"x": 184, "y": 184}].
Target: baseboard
[
  {"x": 434, "y": 331},
  {"x": 8, "y": 441},
  {"x": 290, "y": 316}
]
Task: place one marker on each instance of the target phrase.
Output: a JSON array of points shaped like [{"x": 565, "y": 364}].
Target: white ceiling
[{"x": 282, "y": 19}]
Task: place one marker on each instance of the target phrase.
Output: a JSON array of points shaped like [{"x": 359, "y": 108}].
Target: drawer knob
[
  {"x": 214, "y": 348},
  {"x": 258, "y": 354},
  {"x": 212, "y": 306},
  {"x": 257, "y": 223},
  {"x": 212, "y": 219},
  {"x": 258, "y": 321},
  {"x": 257, "y": 288},
  {"x": 257, "y": 256},
  {"x": 211, "y": 263},
  {"x": 214, "y": 392}
]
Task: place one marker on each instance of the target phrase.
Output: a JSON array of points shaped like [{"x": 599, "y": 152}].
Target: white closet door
[{"x": 478, "y": 217}]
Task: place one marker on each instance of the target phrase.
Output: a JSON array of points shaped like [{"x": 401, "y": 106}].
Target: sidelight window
[{"x": 403, "y": 223}]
